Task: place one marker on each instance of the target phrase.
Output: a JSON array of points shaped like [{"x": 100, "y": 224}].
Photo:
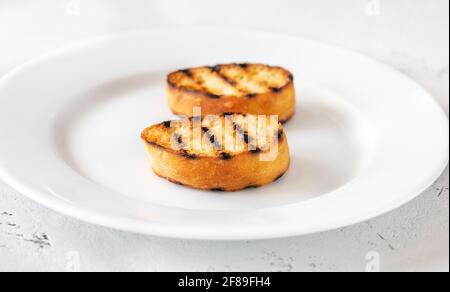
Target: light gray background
[{"x": 411, "y": 35}]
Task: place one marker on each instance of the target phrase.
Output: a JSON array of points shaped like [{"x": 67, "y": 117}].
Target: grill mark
[
  {"x": 211, "y": 138},
  {"x": 247, "y": 139},
  {"x": 242, "y": 133},
  {"x": 230, "y": 81},
  {"x": 216, "y": 68},
  {"x": 256, "y": 151},
  {"x": 179, "y": 140},
  {"x": 225, "y": 156},
  {"x": 189, "y": 73}
]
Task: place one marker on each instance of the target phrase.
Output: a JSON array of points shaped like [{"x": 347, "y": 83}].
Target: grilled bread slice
[
  {"x": 227, "y": 153},
  {"x": 240, "y": 88}
]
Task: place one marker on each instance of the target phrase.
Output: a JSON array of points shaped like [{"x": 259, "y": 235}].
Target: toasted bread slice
[
  {"x": 239, "y": 88},
  {"x": 229, "y": 153}
]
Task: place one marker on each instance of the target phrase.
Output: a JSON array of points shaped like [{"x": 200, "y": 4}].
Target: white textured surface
[{"x": 411, "y": 35}]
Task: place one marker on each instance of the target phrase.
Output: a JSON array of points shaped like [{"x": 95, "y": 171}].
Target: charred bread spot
[
  {"x": 243, "y": 65},
  {"x": 228, "y": 80},
  {"x": 247, "y": 138},
  {"x": 218, "y": 190},
  {"x": 216, "y": 68},
  {"x": 280, "y": 134},
  {"x": 171, "y": 83},
  {"x": 225, "y": 156},
  {"x": 213, "y": 96},
  {"x": 285, "y": 121},
  {"x": 167, "y": 124},
  {"x": 276, "y": 89},
  {"x": 187, "y": 155},
  {"x": 178, "y": 139},
  {"x": 187, "y": 72},
  {"x": 252, "y": 187},
  {"x": 153, "y": 144},
  {"x": 291, "y": 77},
  {"x": 252, "y": 95},
  {"x": 168, "y": 178},
  {"x": 256, "y": 151}
]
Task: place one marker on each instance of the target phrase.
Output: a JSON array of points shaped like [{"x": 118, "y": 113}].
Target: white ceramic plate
[{"x": 365, "y": 140}]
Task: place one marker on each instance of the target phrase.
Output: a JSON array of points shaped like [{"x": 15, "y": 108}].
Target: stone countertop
[{"x": 411, "y": 35}]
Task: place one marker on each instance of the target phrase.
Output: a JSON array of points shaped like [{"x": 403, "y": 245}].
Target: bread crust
[{"x": 280, "y": 101}]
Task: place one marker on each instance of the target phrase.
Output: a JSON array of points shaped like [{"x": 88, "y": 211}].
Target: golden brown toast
[
  {"x": 240, "y": 88},
  {"x": 227, "y": 153}
]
